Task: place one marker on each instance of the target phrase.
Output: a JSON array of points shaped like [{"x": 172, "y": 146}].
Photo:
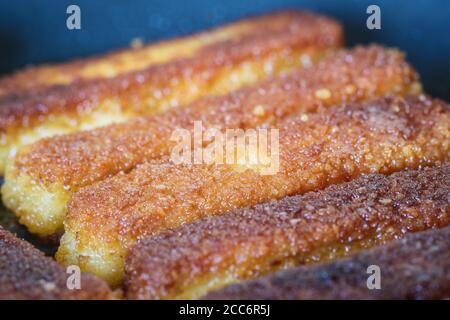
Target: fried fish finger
[
  {"x": 41, "y": 178},
  {"x": 141, "y": 56},
  {"x": 315, "y": 150},
  {"x": 189, "y": 261},
  {"x": 416, "y": 267},
  {"x": 95, "y": 92},
  {"x": 27, "y": 274}
]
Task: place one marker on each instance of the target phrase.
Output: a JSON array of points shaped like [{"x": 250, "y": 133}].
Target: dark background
[{"x": 34, "y": 31}]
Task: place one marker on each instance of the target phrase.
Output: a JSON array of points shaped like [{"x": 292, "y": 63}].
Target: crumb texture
[
  {"x": 42, "y": 177},
  {"x": 315, "y": 227},
  {"x": 27, "y": 274},
  {"x": 83, "y": 158},
  {"x": 333, "y": 146},
  {"x": 114, "y": 88},
  {"x": 416, "y": 267}
]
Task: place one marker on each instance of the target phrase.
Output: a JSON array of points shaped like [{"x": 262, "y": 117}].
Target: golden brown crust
[
  {"x": 173, "y": 74},
  {"x": 79, "y": 159},
  {"x": 416, "y": 267},
  {"x": 330, "y": 146},
  {"x": 27, "y": 274},
  {"x": 31, "y": 80},
  {"x": 247, "y": 243},
  {"x": 56, "y": 167},
  {"x": 286, "y": 31}
]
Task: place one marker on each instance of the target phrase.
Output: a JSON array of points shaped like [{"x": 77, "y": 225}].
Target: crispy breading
[
  {"x": 99, "y": 91},
  {"x": 40, "y": 180},
  {"x": 141, "y": 56},
  {"x": 416, "y": 267},
  {"x": 244, "y": 244},
  {"x": 315, "y": 150},
  {"x": 27, "y": 274}
]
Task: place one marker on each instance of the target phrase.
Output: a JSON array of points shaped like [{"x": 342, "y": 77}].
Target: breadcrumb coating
[
  {"x": 188, "y": 261},
  {"x": 330, "y": 146},
  {"x": 92, "y": 93},
  {"x": 41, "y": 178},
  {"x": 27, "y": 274},
  {"x": 416, "y": 267},
  {"x": 137, "y": 57}
]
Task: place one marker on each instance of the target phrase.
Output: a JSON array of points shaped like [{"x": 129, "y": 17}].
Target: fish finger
[
  {"x": 98, "y": 91},
  {"x": 41, "y": 178},
  {"x": 316, "y": 150},
  {"x": 27, "y": 274},
  {"x": 415, "y": 267},
  {"x": 189, "y": 261}
]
